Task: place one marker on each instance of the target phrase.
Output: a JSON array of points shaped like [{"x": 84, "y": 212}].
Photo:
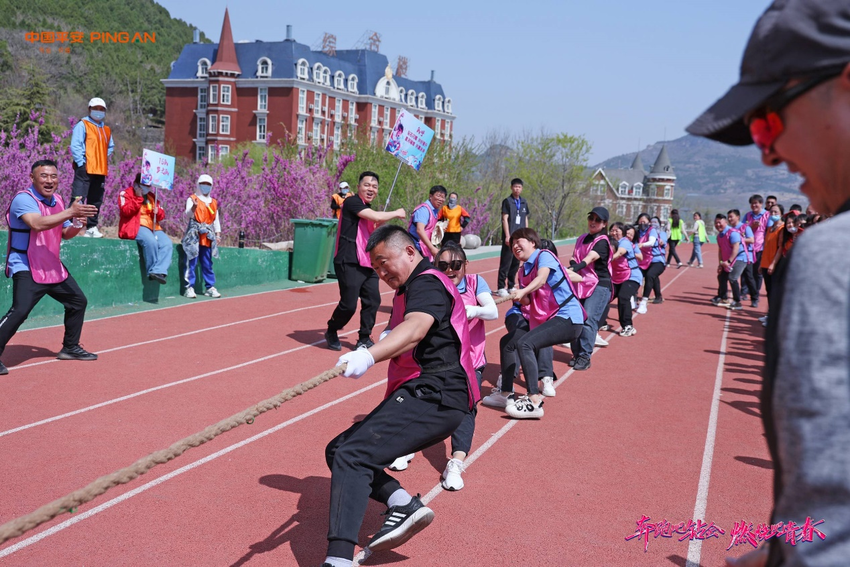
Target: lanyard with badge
[{"x": 518, "y": 204}]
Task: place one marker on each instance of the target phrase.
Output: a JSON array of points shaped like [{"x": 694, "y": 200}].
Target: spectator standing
[
  {"x": 202, "y": 236},
  {"x": 457, "y": 216},
  {"x": 91, "y": 148},
  {"x": 338, "y": 197},
  {"x": 698, "y": 237},
  {"x": 677, "y": 234},
  {"x": 514, "y": 217}
]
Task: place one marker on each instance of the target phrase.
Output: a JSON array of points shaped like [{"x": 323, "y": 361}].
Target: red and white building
[
  {"x": 628, "y": 192},
  {"x": 220, "y": 95}
]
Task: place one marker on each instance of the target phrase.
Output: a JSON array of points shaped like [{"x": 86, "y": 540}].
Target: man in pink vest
[
  {"x": 431, "y": 387},
  {"x": 38, "y": 221}
]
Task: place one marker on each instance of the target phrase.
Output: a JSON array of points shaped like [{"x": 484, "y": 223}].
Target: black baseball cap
[
  {"x": 600, "y": 212},
  {"x": 793, "y": 38}
]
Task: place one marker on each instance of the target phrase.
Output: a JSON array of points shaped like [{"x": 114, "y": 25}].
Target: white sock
[
  {"x": 399, "y": 498},
  {"x": 338, "y": 561}
]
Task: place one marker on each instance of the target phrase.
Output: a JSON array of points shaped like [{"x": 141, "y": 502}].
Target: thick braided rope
[{"x": 68, "y": 503}]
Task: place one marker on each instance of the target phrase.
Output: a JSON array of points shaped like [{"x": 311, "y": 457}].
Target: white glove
[
  {"x": 471, "y": 312},
  {"x": 384, "y": 335},
  {"x": 359, "y": 361}
]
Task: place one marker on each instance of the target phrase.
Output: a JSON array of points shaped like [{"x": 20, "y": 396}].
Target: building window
[
  {"x": 372, "y": 137},
  {"x": 374, "y": 115},
  {"x": 326, "y": 77},
  {"x": 261, "y": 128},
  {"x": 352, "y": 84},
  {"x": 202, "y": 127},
  {"x": 387, "y": 117},
  {"x": 264, "y": 68},
  {"x": 438, "y": 103},
  {"x": 665, "y": 212},
  {"x": 203, "y": 68},
  {"x": 302, "y": 69},
  {"x": 302, "y": 126},
  {"x": 213, "y": 94},
  {"x": 437, "y": 124},
  {"x": 338, "y": 109},
  {"x": 263, "y": 98},
  {"x": 422, "y": 101},
  {"x": 225, "y": 94},
  {"x": 448, "y": 105},
  {"x": 668, "y": 193},
  {"x": 624, "y": 188},
  {"x": 411, "y": 97},
  {"x": 302, "y": 101},
  {"x": 223, "y": 151},
  {"x": 638, "y": 189},
  {"x": 351, "y": 108},
  {"x": 317, "y": 73},
  {"x": 211, "y": 153},
  {"x": 202, "y": 98},
  {"x": 317, "y": 124},
  {"x": 339, "y": 80},
  {"x": 201, "y": 153},
  {"x": 337, "y": 135},
  {"x": 317, "y": 104},
  {"x": 225, "y": 124},
  {"x": 621, "y": 209},
  {"x": 213, "y": 124},
  {"x": 401, "y": 94}
]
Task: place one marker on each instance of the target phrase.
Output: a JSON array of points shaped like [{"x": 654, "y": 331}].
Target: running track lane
[{"x": 249, "y": 497}]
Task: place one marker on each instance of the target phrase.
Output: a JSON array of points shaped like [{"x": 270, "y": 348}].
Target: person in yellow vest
[
  {"x": 338, "y": 198},
  {"x": 457, "y": 216},
  {"x": 91, "y": 148},
  {"x": 201, "y": 238}
]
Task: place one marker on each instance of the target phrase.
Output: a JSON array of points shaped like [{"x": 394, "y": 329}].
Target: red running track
[{"x": 665, "y": 424}]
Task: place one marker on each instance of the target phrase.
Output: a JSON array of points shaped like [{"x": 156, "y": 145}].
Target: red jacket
[{"x": 129, "y": 218}]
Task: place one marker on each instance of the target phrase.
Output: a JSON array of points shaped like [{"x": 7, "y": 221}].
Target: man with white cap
[
  {"x": 793, "y": 102},
  {"x": 338, "y": 198},
  {"x": 202, "y": 235},
  {"x": 91, "y": 148}
]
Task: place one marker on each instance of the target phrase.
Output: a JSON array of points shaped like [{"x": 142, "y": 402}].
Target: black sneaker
[
  {"x": 402, "y": 523},
  {"x": 583, "y": 363},
  {"x": 333, "y": 340},
  {"x": 572, "y": 362},
  {"x": 755, "y": 303},
  {"x": 3, "y": 369},
  {"x": 364, "y": 343},
  {"x": 658, "y": 300},
  {"x": 157, "y": 277},
  {"x": 75, "y": 352}
]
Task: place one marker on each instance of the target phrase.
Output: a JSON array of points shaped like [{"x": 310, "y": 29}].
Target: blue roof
[{"x": 368, "y": 66}]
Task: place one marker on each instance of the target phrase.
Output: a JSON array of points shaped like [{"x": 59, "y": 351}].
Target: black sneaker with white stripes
[{"x": 402, "y": 523}]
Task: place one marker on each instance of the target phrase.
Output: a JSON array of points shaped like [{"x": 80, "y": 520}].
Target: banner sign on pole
[
  {"x": 409, "y": 140},
  {"x": 157, "y": 169}
]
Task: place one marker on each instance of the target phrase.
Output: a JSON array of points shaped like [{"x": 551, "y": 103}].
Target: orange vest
[
  {"x": 97, "y": 148},
  {"x": 338, "y": 199},
  {"x": 204, "y": 214},
  {"x": 146, "y": 213}
]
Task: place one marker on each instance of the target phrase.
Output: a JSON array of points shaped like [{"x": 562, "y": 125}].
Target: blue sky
[{"x": 615, "y": 71}]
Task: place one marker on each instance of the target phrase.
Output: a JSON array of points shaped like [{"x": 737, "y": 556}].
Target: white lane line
[
  {"x": 147, "y": 486},
  {"x": 695, "y": 547}
]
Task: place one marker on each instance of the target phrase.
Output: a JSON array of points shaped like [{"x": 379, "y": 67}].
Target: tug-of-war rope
[{"x": 70, "y": 502}]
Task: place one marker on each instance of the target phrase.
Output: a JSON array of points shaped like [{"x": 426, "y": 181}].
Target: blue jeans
[
  {"x": 596, "y": 306},
  {"x": 156, "y": 250},
  {"x": 696, "y": 255}
]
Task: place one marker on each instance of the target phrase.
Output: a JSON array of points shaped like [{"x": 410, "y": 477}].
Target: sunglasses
[
  {"x": 593, "y": 218},
  {"x": 766, "y": 125},
  {"x": 455, "y": 265}
]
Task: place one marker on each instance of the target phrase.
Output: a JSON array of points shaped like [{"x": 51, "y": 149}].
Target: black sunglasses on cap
[{"x": 455, "y": 265}]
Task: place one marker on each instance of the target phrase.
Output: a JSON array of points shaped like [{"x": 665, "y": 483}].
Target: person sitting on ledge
[{"x": 138, "y": 207}]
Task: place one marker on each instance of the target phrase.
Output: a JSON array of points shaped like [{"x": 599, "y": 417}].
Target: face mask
[
  {"x": 452, "y": 203},
  {"x": 205, "y": 189},
  {"x": 792, "y": 229},
  {"x": 97, "y": 115},
  {"x": 643, "y": 226},
  {"x": 655, "y": 225},
  {"x": 344, "y": 192},
  {"x": 775, "y": 218}
]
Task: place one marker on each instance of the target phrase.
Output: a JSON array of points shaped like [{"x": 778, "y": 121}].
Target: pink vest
[
  {"x": 725, "y": 244},
  {"x": 477, "y": 334},
  {"x": 365, "y": 228},
  {"x": 742, "y": 230},
  {"x": 429, "y": 229},
  {"x": 647, "y": 252},
  {"x": 620, "y": 269},
  {"x": 43, "y": 254},
  {"x": 404, "y": 367},
  {"x": 584, "y": 289},
  {"x": 758, "y": 234},
  {"x": 543, "y": 305}
]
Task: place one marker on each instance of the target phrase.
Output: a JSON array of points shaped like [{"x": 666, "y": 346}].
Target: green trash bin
[
  {"x": 331, "y": 269},
  {"x": 312, "y": 248}
]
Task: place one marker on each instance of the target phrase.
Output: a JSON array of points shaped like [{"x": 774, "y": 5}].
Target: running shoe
[
  {"x": 401, "y": 463},
  {"x": 212, "y": 292},
  {"x": 75, "y": 352},
  {"x": 762, "y": 319},
  {"x": 679, "y": 267},
  {"x": 642, "y": 306},
  {"x": 548, "y": 388},
  {"x": 600, "y": 342},
  {"x": 190, "y": 293},
  {"x": 736, "y": 306},
  {"x": 402, "y": 523},
  {"x": 3, "y": 369},
  {"x": 605, "y": 327},
  {"x": 628, "y": 331},
  {"x": 332, "y": 339},
  {"x": 93, "y": 232},
  {"x": 525, "y": 408},
  {"x": 572, "y": 362},
  {"x": 364, "y": 343},
  {"x": 755, "y": 303},
  {"x": 658, "y": 300},
  {"x": 451, "y": 477},
  {"x": 700, "y": 265},
  {"x": 720, "y": 301},
  {"x": 499, "y": 400},
  {"x": 583, "y": 363}
]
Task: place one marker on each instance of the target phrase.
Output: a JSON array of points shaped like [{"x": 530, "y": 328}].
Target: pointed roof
[
  {"x": 638, "y": 164},
  {"x": 225, "y": 60},
  {"x": 662, "y": 165}
]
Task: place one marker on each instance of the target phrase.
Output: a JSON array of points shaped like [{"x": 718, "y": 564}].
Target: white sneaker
[
  {"x": 498, "y": 400},
  {"x": 628, "y": 331},
  {"x": 600, "y": 341},
  {"x": 524, "y": 408},
  {"x": 190, "y": 293},
  {"x": 93, "y": 232},
  {"x": 212, "y": 292},
  {"x": 401, "y": 463},
  {"x": 642, "y": 306},
  {"x": 548, "y": 389},
  {"x": 451, "y": 476},
  {"x": 503, "y": 292}
]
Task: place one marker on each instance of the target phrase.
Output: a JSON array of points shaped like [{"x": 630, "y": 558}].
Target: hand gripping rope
[{"x": 69, "y": 503}]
